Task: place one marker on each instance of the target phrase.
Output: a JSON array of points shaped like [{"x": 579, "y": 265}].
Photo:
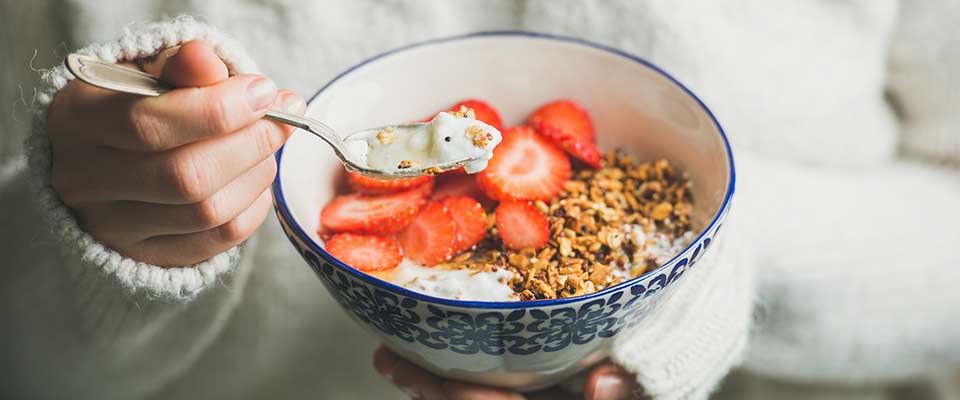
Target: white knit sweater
[{"x": 855, "y": 255}]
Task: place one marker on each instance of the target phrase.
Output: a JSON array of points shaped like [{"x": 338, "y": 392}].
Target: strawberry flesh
[
  {"x": 367, "y": 253},
  {"x": 521, "y": 225},
  {"x": 430, "y": 238},
  {"x": 568, "y": 124},
  {"x": 525, "y": 166},
  {"x": 384, "y": 214},
  {"x": 471, "y": 221}
]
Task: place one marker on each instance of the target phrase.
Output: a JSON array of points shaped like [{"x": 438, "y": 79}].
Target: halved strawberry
[
  {"x": 366, "y": 184},
  {"x": 366, "y": 253},
  {"x": 471, "y": 221},
  {"x": 431, "y": 236},
  {"x": 568, "y": 124},
  {"x": 521, "y": 225},
  {"x": 382, "y": 214},
  {"x": 563, "y": 117},
  {"x": 525, "y": 166},
  {"x": 483, "y": 111}
]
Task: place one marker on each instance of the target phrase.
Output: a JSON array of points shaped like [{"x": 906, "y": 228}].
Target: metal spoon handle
[{"x": 127, "y": 80}]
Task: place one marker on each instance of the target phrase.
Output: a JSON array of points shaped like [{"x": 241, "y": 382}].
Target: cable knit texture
[
  {"x": 713, "y": 307},
  {"x": 137, "y": 42},
  {"x": 925, "y": 55}
]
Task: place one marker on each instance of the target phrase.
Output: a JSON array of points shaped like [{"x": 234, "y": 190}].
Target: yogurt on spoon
[{"x": 448, "y": 137}]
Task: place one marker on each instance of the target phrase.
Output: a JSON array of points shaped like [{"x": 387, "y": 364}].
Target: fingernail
[
  {"x": 294, "y": 104},
  {"x": 261, "y": 93},
  {"x": 610, "y": 387}
]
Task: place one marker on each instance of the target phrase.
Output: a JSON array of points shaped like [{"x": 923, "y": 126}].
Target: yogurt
[
  {"x": 448, "y": 137},
  {"x": 459, "y": 284},
  {"x": 474, "y": 285}
]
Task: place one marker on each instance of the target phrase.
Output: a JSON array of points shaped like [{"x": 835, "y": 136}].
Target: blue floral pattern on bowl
[{"x": 519, "y": 331}]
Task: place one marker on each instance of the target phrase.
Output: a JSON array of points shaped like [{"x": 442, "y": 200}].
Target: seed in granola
[
  {"x": 598, "y": 274},
  {"x": 546, "y": 290},
  {"x": 653, "y": 186},
  {"x": 595, "y": 247},
  {"x": 518, "y": 260},
  {"x": 661, "y": 211},
  {"x": 613, "y": 238},
  {"x": 465, "y": 112},
  {"x": 683, "y": 209},
  {"x": 608, "y": 214},
  {"x": 540, "y": 205},
  {"x": 478, "y": 136},
  {"x": 565, "y": 246},
  {"x": 406, "y": 164},
  {"x": 589, "y": 287},
  {"x": 432, "y": 170},
  {"x": 463, "y": 257},
  {"x": 574, "y": 281},
  {"x": 387, "y": 136},
  {"x": 574, "y": 187}
]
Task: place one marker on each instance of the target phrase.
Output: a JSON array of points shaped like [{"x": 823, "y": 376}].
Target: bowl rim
[{"x": 281, "y": 205}]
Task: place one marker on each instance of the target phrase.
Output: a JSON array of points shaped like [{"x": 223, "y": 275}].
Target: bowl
[{"x": 519, "y": 345}]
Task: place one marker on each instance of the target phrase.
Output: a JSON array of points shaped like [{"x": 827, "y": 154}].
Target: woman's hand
[
  {"x": 604, "y": 382},
  {"x": 176, "y": 179}
]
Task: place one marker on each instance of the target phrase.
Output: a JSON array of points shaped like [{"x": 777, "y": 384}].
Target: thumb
[
  {"x": 191, "y": 64},
  {"x": 609, "y": 382}
]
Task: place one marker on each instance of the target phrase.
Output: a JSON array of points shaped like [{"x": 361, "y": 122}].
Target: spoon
[{"x": 113, "y": 77}]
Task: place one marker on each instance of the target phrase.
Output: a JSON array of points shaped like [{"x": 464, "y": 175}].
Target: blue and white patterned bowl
[{"x": 522, "y": 345}]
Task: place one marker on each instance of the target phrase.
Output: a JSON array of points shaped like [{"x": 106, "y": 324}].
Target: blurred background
[{"x": 844, "y": 115}]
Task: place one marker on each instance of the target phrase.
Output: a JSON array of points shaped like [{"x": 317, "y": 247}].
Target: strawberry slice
[
  {"x": 568, "y": 124},
  {"x": 563, "y": 117},
  {"x": 431, "y": 237},
  {"x": 483, "y": 111},
  {"x": 366, "y": 253},
  {"x": 471, "y": 221},
  {"x": 366, "y": 184},
  {"x": 583, "y": 151},
  {"x": 384, "y": 214},
  {"x": 521, "y": 225},
  {"x": 525, "y": 166}
]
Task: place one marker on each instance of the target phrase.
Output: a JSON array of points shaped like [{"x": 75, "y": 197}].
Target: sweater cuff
[
  {"x": 691, "y": 344},
  {"x": 139, "y": 41}
]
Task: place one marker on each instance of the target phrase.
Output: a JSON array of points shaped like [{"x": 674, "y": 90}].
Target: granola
[
  {"x": 387, "y": 135},
  {"x": 406, "y": 164},
  {"x": 599, "y": 229},
  {"x": 464, "y": 112}
]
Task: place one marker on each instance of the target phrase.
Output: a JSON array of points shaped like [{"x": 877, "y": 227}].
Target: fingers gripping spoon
[{"x": 117, "y": 78}]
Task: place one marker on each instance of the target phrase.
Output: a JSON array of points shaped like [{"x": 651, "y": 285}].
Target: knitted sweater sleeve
[
  {"x": 103, "y": 319},
  {"x": 923, "y": 80},
  {"x": 691, "y": 345},
  {"x": 172, "y": 283}
]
